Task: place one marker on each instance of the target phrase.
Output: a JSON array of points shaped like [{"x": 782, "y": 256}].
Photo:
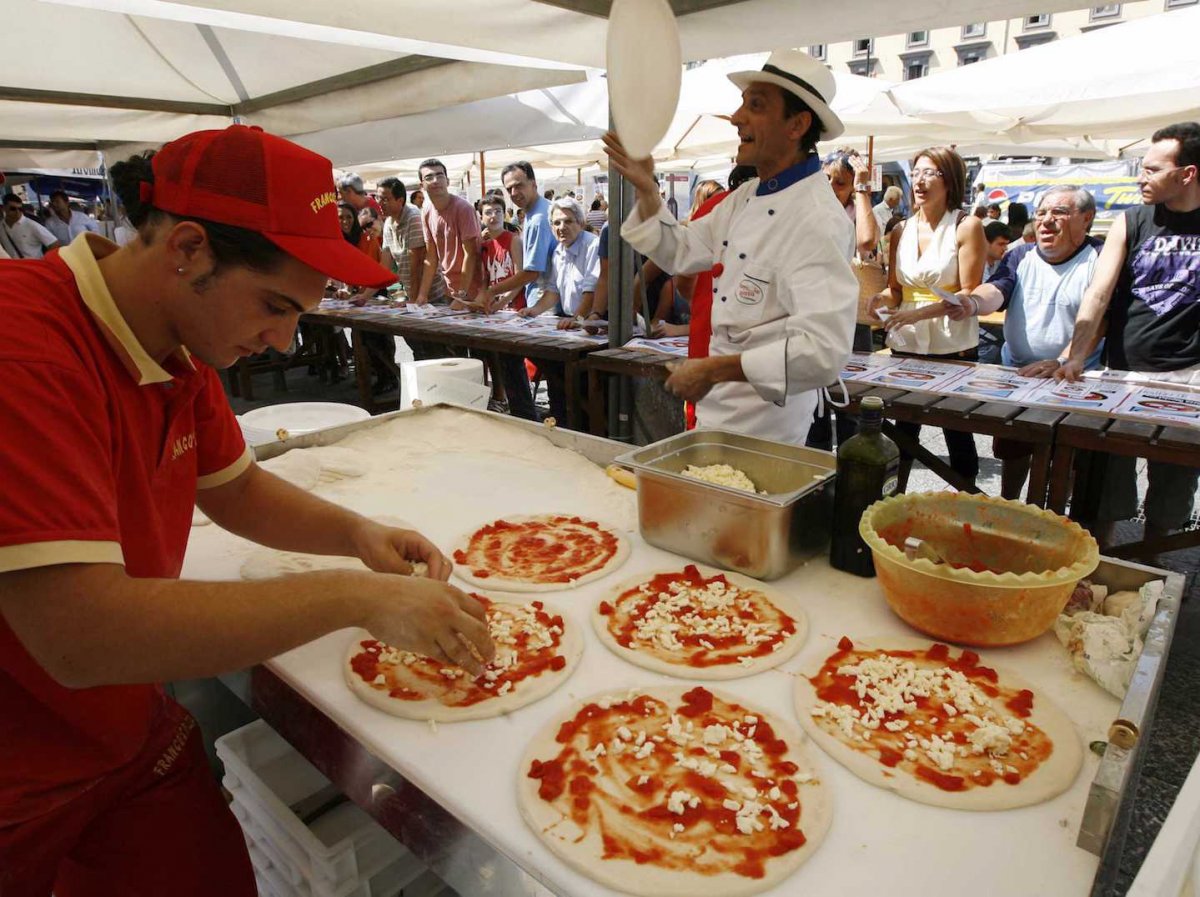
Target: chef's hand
[
  {"x": 1041, "y": 369},
  {"x": 388, "y": 549},
  {"x": 1071, "y": 372},
  {"x": 690, "y": 380},
  {"x": 639, "y": 172},
  {"x": 433, "y": 619}
]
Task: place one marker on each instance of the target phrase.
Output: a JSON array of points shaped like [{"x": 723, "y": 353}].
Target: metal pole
[
  {"x": 621, "y": 199},
  {"x": 482, "y": 176}
]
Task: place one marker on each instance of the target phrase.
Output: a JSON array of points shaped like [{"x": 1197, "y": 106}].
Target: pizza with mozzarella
[
  {"x": 673, "y": 792},
  {"x": 541, "y": 553},
  {"x": 936, "y": 725},
  {"x": 700, "y": 624},
  {"x": 536, "y": 650}
]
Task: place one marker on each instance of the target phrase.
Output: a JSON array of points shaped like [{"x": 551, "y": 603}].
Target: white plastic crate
[{"x": 329, "y": 858}]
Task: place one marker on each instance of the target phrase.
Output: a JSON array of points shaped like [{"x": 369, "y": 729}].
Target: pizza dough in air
[
  {"x": 689, "y": 623},
  {"x": 860, "y": 748},
  {"x": 599, "y": 798},
  {"x": 643, "y": 85},
  {"x": 524, "y": 634},
  {"x": 539, "y": 553}
]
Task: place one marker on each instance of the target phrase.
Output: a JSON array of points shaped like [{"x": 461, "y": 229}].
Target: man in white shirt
[
  {"x": 887, "y": 207},
  {"x": 22, "y": 237},
  {"x": 67, "y": 223},
  {"x": 784, "y": 294}
]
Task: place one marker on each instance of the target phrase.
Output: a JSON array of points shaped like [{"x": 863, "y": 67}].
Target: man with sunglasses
[
  {"x": 1147, "y": 287},
  {"x": 22, "y": 237}
]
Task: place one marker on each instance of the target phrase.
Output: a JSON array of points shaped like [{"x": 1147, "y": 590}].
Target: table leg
[
  {"x": 929, "y": 459},
  {"x": 362, "y": 370},
  {"x": 1039, "y": 475},
  {"x": 596, "y": 403},
  {"x": 1060, "y": 478},
  {"x": 571, "y": 375}
]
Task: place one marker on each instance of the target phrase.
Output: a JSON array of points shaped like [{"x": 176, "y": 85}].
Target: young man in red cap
[{"x": 115, "y": 424}]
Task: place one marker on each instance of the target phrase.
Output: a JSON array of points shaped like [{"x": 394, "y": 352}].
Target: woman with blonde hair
[{"x": 940, "y": 248}]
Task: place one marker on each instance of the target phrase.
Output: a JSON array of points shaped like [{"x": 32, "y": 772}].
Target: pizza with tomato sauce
[
  {"x": 536, "y": 650},
  {"x": 700, "y": 624},
  {"x": 541, "y": 553},
  {"x": 674, "y": 792},
  {"x": 935, "y": 724}
]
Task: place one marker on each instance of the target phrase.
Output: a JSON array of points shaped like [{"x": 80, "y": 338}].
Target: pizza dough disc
[
  {"x": 584, "y": 850},
  {"x": 711, "y": 673},
  {"x": 645, "y": 72},
  {"x": 1050, "y": 779},
  {"x": 525, "y": 692},
  {"x": 497, "y": 581}
]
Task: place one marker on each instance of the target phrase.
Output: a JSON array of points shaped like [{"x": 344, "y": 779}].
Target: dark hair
[
  {"x": 994, "y": 230},
  {"x": 493, "y": 201},
  {"x": 394, "y": 186},
  {"x": 793, "y": 105},
  {"x": 596, "y": 204},
  {"x": 10, "y": 196},
  {"x": 523, "y": 167},
  {"x": 57, "y": 193},
  {"x": 433, "y": 163},
  {"x": 979, "y": 212},
  {"x": 355, "y": 233},
  {"x": 739, "y": 174},
  {"x": 236, "y": 246},
  {"x": 415, "y": 192},
  {"x": 1188, "y": 135},
  {"x": 953, "y": 169},
  {"x": 1018, "y": 217},
  {"x": 994, "y": 205},
  {"x": 549, "y": 194},
  {"x": 892, "y": 222}
]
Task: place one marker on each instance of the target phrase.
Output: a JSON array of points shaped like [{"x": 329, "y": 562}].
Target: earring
[{"x": 178, "y": 270}]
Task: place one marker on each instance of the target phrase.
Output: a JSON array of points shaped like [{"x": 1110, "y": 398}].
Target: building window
[
  {"x": 918, "y": 38},
  {"x": 864, "y": 47},
  {"x": 865, "y": 66},
  {"x": 817, "y": 51},
  {"x": 1039, "y": 21},
  {"x": 974, "y": 30},
  {"x": 1177, "y": 4},
  {"x": 1109, "y": 11},
  {"x": 970, "y": 57},
  {"x": 914, "y": 70}
]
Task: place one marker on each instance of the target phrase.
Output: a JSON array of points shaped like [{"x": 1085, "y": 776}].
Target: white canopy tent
[
  {"x": 1120, "y": 82},
  {"x": 138, "y": 72}
]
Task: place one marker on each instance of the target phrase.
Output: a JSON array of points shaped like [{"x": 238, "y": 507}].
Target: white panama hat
[{"x": 799, "y": 74}]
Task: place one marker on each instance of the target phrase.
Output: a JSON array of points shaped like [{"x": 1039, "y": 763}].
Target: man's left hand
[
  {"x": 387, "y": 549},
  {"x": 690, "y": 380},
  {"x": 1043, "y": 370}
]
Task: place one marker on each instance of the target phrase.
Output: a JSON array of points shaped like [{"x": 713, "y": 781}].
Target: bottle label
[{"x": 889, "y": 486}]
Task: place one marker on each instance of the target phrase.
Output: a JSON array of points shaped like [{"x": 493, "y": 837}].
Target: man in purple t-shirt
[{"x": 451, "y": 230}]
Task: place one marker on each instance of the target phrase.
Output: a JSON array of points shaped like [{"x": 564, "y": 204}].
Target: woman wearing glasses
[{"x": 938, "y": 248}]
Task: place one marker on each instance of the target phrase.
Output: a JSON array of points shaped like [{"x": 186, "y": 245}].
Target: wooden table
[
  {"x": 603, "y": 364},
  {"x": 1033, "y": 425},
  {"x": 1078, "y": 432},
  {"x": 540, "y": 347}
]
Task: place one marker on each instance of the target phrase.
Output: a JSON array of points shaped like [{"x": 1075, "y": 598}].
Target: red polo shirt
[{"x": 102, "y": 453}]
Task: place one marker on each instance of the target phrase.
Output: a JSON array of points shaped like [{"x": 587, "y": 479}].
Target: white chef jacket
[{"x": 786, "y": 298}]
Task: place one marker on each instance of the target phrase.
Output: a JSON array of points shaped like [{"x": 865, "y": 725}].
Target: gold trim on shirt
[{"x": 65, "y": 551}]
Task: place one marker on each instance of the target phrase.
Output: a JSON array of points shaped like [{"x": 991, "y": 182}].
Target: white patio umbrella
[{"x": 1119, "y": 82}]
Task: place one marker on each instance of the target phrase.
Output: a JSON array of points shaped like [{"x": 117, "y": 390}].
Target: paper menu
[
  {"x": 916, "y": 373},
  {"x": 861, "y": 365},
  {"x": 1082, "y": 396},
  {"x": 1168, "y": 406},
  {"x": 995, "y": 383},
  {"x": 671, "y": 345}
]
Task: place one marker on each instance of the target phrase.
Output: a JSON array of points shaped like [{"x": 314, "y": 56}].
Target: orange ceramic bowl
[{"x": 1009, "y": 567}]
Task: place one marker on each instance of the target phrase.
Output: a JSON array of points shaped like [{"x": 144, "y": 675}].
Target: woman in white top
[{"x": 937, "y": 248}]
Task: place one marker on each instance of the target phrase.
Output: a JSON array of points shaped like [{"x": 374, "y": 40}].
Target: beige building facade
[{"x": 902, "y": 57}]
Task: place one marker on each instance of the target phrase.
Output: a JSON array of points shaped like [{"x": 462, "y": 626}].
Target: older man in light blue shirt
[{"x": 569, "y": 286}]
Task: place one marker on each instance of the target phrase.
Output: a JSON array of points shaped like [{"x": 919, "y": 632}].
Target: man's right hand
[
  {"x": 639, "y": 172},
  {"x": 430, "y": 618},
  {"x": 1071, "y": 371}
]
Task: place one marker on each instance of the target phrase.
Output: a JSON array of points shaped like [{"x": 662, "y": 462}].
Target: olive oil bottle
[{"x": 867, "y": 464}]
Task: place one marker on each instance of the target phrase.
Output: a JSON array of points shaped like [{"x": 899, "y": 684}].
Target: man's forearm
[
  {"x": 518, "y": 281},
  {"x": 725, "y": 368},
  {"x": 416, "y": 271},
  {"x": 427, "y": 273},
  {"x": 107, "y": 628},
  {"x": 470, "y": 260},
  {"x": 548, "y": 301},
  {"x": 263, "y": 508},
  {"x": 1086, "y": 334}
]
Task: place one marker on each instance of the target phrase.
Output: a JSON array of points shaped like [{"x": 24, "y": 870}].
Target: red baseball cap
[{"x": 244, "y": 177}]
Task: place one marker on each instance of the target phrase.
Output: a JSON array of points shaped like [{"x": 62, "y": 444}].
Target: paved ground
[{"x": 1175, "y": 738}]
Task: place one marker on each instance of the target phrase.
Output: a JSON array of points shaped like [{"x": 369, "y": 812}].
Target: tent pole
[
  {"x": 482, "y": 176},
  {"x": 870, "y": 150},
  {"x": 621, "y": 199}
]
